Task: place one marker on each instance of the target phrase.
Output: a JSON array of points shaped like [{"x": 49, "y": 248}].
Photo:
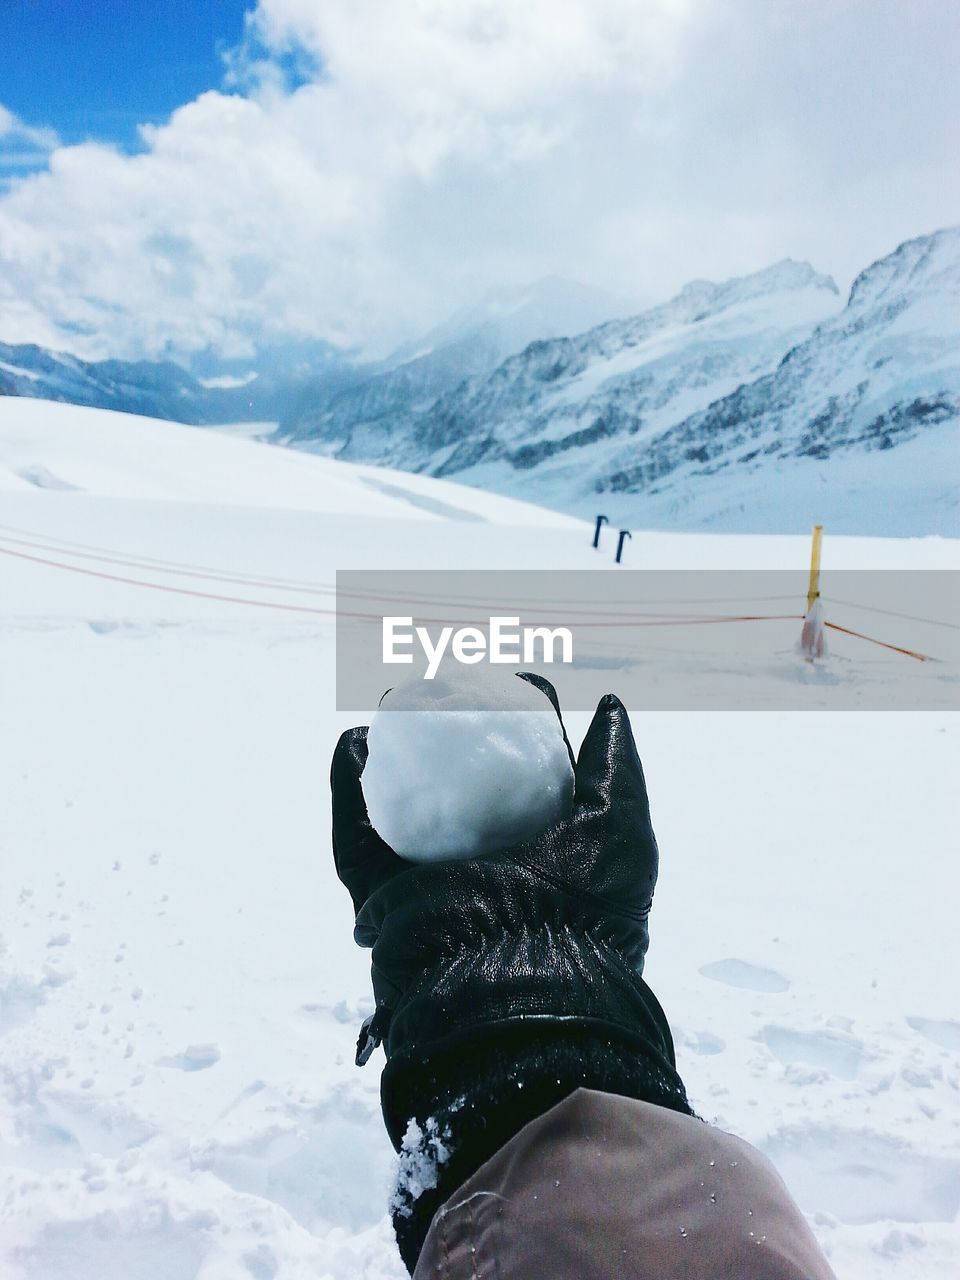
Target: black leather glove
[{"x": 505, "y": 981}]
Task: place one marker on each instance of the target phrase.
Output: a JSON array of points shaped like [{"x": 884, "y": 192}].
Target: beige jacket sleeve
[{"x": 603, "y": 1186}]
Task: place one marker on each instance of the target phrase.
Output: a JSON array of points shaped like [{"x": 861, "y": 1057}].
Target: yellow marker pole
[{"x": 814, "y": 590}]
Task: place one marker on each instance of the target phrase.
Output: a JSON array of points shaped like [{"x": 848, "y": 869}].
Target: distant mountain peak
[
  {"x": 509, "y": 316},
  {"x": 930, "y": 262},
  {"x": 781, "y": 277}
]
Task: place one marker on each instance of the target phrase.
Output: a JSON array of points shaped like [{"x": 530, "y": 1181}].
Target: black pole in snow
[
  {"x": 624, "y": 534},
  {"x": 601, "y": 520}
]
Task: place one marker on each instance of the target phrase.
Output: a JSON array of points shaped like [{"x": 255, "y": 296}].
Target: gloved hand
[{"x": 503, "y": 982}]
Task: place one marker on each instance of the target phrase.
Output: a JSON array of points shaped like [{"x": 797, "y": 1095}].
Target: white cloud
[
  {"x": 22, "y": 147},
  {"x": 12, "y": 128},
  {"x": 439, "y": 147}
]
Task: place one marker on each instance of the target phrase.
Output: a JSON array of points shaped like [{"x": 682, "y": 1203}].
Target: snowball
[{"x": 467, "y": 763}]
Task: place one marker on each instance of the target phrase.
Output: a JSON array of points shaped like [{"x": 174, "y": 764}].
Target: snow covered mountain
[
  {"x": 469, "y": 344},
  {"x": 214, "y": 391},
  {"x": 554, "y": 413},
  {"x": 756, "y": 404},
  {"x": 156, "y": 389},
  {"x": 667, "y": 444},
  {"x": 883, "y": 372},
  {"x": 544, "y": 406}
]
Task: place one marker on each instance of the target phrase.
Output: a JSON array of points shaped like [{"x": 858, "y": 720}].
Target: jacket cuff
[{"x": 450, "y": 1111}]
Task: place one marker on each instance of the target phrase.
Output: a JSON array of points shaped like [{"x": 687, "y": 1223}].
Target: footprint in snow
[
  {"x": 749, "y": 977},
  {"x": 865, "y": 1176},
  {"x": 196, "y": 1057},
  {"x": 22, "y": 994},
  {"x": 144, "y": 1241},
  {"x": 20, "y": 997},
  {"x": 831, "y": 1051},
  {"x": 291, "y": 1153},
  {"x": 946, "y": 1034},
  {"x": 343, "y": 1011},
  {"x": 261, "y": 1263},
  {"x": 702, "y": 1042}
]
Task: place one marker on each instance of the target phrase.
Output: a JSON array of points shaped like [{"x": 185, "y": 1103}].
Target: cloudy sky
[{"x": 221, "y": 174}]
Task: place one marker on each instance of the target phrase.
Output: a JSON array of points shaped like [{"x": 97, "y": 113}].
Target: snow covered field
[{"x": 179, "y": 990}]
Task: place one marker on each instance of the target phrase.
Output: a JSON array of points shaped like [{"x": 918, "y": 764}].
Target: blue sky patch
[{"x": 97, "y": 71}]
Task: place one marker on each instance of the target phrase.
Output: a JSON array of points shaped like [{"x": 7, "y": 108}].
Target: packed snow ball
[{"x": 468, "y": 763}]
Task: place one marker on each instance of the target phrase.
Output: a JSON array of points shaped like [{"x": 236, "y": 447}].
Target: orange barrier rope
[
  {"x": 88, "y": 551},
  {"x": 678, "y": 622},
  {"x": 300, "y": 608},
  {"x": 921, "y": 657},
  {"x": 299, "y": 586},
  {"x": 182, "y": 591},
  {"x": 66, "y": 547},
  {"x": 159, "y": 566},
  {"x": 376, "y": 617},
  {"x": 891, "y": 613},
  {"x": 427, "y": 598}
]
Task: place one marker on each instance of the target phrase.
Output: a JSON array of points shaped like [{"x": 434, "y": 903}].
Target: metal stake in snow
[
  {"x": 624, "y": 534},
  {"x": 813, "y": 642},
  {"x": 601, "y": 521}
]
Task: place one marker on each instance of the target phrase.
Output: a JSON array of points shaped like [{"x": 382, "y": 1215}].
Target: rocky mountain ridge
[{"x": 693, "y": 413}]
